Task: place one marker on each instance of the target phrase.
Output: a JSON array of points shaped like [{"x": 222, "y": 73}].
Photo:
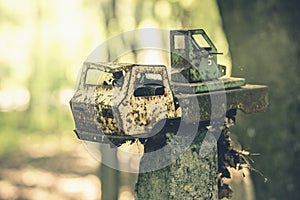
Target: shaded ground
[{"x": 49, "y": 169}]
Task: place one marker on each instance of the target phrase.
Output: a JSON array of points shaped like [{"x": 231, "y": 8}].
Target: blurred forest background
[{"x": 44, "y": 43}]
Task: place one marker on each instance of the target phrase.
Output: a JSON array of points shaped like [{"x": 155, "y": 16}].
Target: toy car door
[{"x": 150, "y": 99}]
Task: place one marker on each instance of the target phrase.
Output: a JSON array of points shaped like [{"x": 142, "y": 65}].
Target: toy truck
[{"x": 119, "y": 101}]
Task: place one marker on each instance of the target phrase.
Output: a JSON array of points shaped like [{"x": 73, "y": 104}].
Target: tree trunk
[
  {"x": 265, "y": 48},
  {"x": 110, "y": 178},
  {"x": 189, "y": 177}
]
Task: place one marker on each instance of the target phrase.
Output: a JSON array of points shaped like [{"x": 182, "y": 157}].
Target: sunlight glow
[
  {"x": 8, "y": 190},
  {"x": 87, "y": 187},
  {"x": 130, "y": 154},
  {"x": 163, "y": 9},
  {"x": 65, "y": 95},
  {"x": 16, "y": 98},
  {"x": 125, "y": 193}
]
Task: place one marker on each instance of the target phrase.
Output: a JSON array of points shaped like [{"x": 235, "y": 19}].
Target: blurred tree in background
[{"x": 265, "y": 48}]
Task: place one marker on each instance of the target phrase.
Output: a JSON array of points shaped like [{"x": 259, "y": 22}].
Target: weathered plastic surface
[
  {"x": 131, "y": 105},
  {"x": 248, "y": 99},
  {"x": 197, "y": 62},
  {"x": 123, "y": 101},
  {"x": 119, "y": 110},
  {"x": 207, "y": 86}
]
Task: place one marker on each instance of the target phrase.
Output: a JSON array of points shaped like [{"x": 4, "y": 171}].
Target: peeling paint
[{"x": 121, "y": 100}]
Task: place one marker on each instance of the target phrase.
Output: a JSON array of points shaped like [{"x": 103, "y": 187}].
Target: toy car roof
[{"x": 112, "y": 67}]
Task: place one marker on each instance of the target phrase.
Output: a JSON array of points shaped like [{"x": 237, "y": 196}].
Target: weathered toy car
[{"x": 115, "y": 100}]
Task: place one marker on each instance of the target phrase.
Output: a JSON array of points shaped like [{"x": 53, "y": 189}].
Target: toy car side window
[
  {"x": 92, "y": 76},
  {"x": 148, "y": 84},
  {"x": 101, "y": 78},
  {"x": 179, "y": 42}
]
